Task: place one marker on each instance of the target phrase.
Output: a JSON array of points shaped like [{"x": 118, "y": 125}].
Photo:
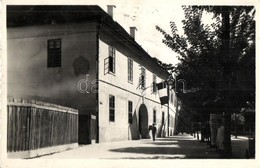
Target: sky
[{"x": 145, "y": 15}]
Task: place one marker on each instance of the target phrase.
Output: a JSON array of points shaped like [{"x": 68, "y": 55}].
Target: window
[
  {"x": 111, "y": 59},
  {"x": 172, "y": 98},
  {"x": 154, "y": 116},
  {"x": 154, "y": 84},
  {"x": 111, "y": 108},
  {"x": 54, "y": 53},
  {"x": 142, "y": 78},
  {"x": 162, "y": 117},
  {"x": 130, "y": 112},
  {"x": 130, "y": 70},
  {"x": 171, "y": 122}
]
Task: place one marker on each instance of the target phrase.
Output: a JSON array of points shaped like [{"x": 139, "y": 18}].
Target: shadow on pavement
[{"x": 177, "y": 147}]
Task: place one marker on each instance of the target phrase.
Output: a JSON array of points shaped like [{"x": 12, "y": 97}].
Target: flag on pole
[{"x": 163, "y": 93}]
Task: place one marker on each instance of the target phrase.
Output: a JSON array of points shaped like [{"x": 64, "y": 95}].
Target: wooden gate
[{"x": 35, "y": 125}]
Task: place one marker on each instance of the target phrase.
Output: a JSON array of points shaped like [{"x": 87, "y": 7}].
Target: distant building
[{"x": 78, "y": 56}]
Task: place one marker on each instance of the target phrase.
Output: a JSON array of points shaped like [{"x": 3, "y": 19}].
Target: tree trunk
[
  {"x": 227, "y": 73},
  {"x": 235, "y": 125},
  {"x": 197, "y": 130},
  {"x": 227, "y": 133}
]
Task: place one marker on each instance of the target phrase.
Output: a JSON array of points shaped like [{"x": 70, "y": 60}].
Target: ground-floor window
[
  {"x": 154, "y": 116},
  {"x": 111, "y": 108},
  {"x": 130, "y": 112},
  {"x": 162, "y": 117}
]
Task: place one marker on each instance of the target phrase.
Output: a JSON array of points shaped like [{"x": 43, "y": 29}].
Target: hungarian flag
[{"x": 163, "y": 93}]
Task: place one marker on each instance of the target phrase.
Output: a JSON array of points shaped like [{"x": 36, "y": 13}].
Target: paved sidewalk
[
  {"x": 239, "y": 147},
  {"x": 181, "y": 146},
  {"x": 138, "y": 153}
]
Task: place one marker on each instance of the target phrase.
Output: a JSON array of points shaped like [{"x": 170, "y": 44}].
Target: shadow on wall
[
  {"x": 133, "y": 128},
  {"x": 159, "y": 132}
]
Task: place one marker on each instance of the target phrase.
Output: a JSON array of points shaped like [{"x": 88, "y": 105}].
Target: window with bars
[
  {"x": 130, "y": 70},
  {"x": 154, "y": 116},
  {"x": 130, "y": 112},
  {"x": 142, "y": 78},
  {"x": 111, "y": 108},
  {"x": 54, "y": 53},
  {"x": 111, "y": 59}
]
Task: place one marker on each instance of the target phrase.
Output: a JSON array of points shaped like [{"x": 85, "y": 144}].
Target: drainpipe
[{"x": 97, "y": 82}]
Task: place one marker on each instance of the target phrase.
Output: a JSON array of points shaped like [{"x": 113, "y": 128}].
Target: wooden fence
[{"x": 33, "y": 125}]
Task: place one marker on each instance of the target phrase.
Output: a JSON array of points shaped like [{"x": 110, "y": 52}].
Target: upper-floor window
[
  {"x": 130, "y": 70},
  {"x": 54, "y": 53},
  {"x": 111, "y": 108},
  {"x": 130, "y": 112},
  {"x": 142, "y": 78},
  {"x": 154, "y": 84},
  {"x": 111, "y": 59}
]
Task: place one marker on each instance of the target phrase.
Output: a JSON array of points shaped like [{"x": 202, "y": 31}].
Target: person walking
[
  {"x": 207, "y": 133},
  {"x": 220, "y": 137},
  {"x": 154, "y": 129}
]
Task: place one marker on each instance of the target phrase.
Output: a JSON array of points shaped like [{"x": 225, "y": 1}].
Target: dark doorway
[
  {"x": 84, "y": 129},
  {"x": 143, "y": 122}
]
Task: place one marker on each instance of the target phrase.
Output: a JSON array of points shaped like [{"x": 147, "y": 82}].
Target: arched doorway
[{"x": 143, "y": 121}]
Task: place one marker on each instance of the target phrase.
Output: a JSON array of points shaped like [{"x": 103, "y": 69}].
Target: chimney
[
  {"x": 132, "y": 31},
  {"x": 110, "y": 9}
]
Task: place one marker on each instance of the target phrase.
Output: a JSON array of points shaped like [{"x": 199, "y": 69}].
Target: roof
[{"x": 28, "y": 15}]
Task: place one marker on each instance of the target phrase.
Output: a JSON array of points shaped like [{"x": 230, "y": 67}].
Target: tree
[{"x": 217, "y": 60}]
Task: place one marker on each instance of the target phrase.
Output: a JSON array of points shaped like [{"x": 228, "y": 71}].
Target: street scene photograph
[{"x": 128, "y": 80}]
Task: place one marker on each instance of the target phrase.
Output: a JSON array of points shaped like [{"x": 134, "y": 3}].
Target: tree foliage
[
  {"x": 204, "y": 66},
  {"x": 238, "y": 119}
]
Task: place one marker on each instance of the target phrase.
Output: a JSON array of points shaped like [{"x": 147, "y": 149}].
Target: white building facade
[{"x": 86, "y": 60}]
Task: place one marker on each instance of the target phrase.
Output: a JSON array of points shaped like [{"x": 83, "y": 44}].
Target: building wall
[
  {"x": 30, "y": 78},
  {"x": 117, "y": 85}
]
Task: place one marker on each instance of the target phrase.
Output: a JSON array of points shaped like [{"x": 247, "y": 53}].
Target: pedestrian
[
  {"x": 150, "y": 128},
  {"x": 220, "y": 137},
  {"x": 207, "y": 133},
  {"x": 203, "y": 133},
  {"x": 163, "y": 131},
  {"x": 154, "y": 131}
]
